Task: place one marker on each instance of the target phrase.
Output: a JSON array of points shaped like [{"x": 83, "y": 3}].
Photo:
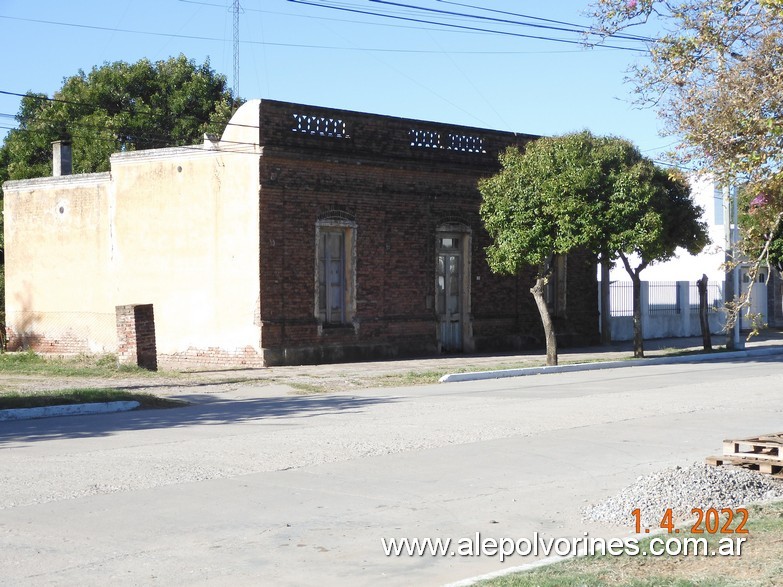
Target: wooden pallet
[
  {"x": 767, "y": 446},
  {"x": 767, "y": 467},
  {"x": 762, "y": 453}
]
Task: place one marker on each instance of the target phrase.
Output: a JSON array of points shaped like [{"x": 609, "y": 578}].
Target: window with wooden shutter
[{"x": 335, "y": 272}]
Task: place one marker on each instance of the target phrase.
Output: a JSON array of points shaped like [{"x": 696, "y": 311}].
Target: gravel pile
[{"x": 682, "y": 489}]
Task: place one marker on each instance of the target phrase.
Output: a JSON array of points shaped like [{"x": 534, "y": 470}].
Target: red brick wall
[
  {"x": 40, "y": 343},
  {"x": 61, "y": 333},
  {"x": 136, "y": 336},
  {"x": 398, "y": 195},
  {"x": 210, "y": 358}
]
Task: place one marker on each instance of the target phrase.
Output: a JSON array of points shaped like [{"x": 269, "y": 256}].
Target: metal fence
[
  {"x": 714, "y": 297},
  {"x": 621, "y": 298},
  {"x": 663, "y": 298}
]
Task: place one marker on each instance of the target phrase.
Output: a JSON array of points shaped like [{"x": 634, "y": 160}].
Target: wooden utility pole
[{"x": 703, "y": 318}]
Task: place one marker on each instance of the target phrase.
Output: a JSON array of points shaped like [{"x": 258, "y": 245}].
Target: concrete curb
[
  {"x": 67, "y": 410},
  {"x": 481, "y": 375},
  {"x": 547, "y": 561}
]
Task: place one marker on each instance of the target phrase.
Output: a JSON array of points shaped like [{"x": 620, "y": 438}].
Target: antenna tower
[{"x": 237, "y": 9}]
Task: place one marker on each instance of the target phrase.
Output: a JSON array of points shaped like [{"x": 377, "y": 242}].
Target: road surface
[{"x": 254, "y": 488}]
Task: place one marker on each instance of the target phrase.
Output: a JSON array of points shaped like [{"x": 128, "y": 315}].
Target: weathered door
[
  {"x": 333, "y": 269},
  {"x": 449, "y": 294}
]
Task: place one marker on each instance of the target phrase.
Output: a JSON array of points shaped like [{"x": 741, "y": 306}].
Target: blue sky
[{"x": 339, "y": 58}]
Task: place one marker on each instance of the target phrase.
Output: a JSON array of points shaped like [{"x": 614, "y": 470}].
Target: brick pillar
[{"x": 136, "y": 336}]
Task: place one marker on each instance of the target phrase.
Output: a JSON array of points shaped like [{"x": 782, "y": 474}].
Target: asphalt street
[{"x": 298, "y": 490}]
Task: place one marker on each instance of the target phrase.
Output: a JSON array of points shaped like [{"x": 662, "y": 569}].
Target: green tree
[
  {"x": 544, "y": 203},
  {"x": 650, "y": 215},
  {"x": 713, "y": 72},
  {"x": 576, "y": 192},
  {"x": 116, "y": 107},
  {"x": 762, "y": 224}
]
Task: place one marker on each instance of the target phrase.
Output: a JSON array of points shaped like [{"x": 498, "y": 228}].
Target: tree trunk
[
  {"x": 549, "y": 330},
  {"x": 606, "y": 303},
  {"x": 703, "y": 319},
  {"x": 730, "y": 295},
  {"x": 638, "y": 339}
]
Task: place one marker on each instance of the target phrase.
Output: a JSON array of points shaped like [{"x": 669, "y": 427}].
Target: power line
[
  {"x": 458, "y": 26},
  {"x": 584, "y": 28},
  {"x": 164, "y": 141},
  {"x": 661, "y": 147},
  {"x": 484, "y": 8},
  {"x": 291, "y": 45},
  {"x": 95, "y": 107},
  {"x": 111, "y": 29},
  {"x": 573, "y": 28},
  {"x": 343, "y": 20},
  {"x": 46, "y": 98}
]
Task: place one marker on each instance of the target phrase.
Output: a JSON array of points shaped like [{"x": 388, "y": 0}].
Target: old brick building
[{"x": 303, "y": 235}]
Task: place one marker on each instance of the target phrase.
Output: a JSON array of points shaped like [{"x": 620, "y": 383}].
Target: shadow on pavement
[{"x": 208, "y": 413}]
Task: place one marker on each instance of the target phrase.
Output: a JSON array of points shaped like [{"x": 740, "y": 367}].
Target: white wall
[{"x": 687, "y": 267}]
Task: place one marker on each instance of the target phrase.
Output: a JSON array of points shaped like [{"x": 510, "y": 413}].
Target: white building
[{"x": 661, "y": 293}]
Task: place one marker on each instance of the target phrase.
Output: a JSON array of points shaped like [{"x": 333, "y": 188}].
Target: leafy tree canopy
[
  {"x": 581, "y": 191},
  {"x": 546, "y": 200},
  {"x": 117, "y": 107},
  {"x": 578, "y": 191},
  {"x": 714, "y": 74},
  {"x": 651, "y": 214}
]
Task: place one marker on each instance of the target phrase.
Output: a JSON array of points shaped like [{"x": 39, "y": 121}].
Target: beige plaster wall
[
  {"x": 177, "y": 228},
  {"x": 185, "y": 226},
  {"x": 56, "y": 262}
]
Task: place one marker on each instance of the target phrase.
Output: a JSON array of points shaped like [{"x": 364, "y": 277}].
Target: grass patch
[
  {"x": 673, "y": 352},
  {"x": 410, "y": 378},
  {"x": 16, "y": 400},
  {"x": 760, "y": 564},
  {"x": 306, "y": 388},
  {"x": 363, "y": 382},
  {"x": 30, "y": 363}
]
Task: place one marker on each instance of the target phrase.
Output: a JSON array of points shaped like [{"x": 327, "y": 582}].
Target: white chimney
[
  {"x": 211, "y": 141},
  {"x": 62, "y": 163}
]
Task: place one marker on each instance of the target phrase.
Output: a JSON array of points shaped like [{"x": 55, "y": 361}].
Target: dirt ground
[
  {"x": 274, "y": 380},
  {"x": 345, "y": 376}
]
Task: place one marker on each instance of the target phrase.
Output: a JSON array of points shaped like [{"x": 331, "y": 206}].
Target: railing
[
  {"x": 668, "y": 308},
  {"x": 714, "y": 297},
  {"x": 621, "y": 298},
  {"x": 663, "y": 298}
]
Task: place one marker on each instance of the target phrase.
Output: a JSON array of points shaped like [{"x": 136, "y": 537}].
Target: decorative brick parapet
[{"x": 136, "y": 336}]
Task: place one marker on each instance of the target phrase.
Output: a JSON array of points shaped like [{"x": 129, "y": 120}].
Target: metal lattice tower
[{"x": 236, "y": 8}]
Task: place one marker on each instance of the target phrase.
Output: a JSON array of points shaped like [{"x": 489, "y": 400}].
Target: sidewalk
[
  {"x": 482, "y": 362},
  {"x": 222, "y": 385}
]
